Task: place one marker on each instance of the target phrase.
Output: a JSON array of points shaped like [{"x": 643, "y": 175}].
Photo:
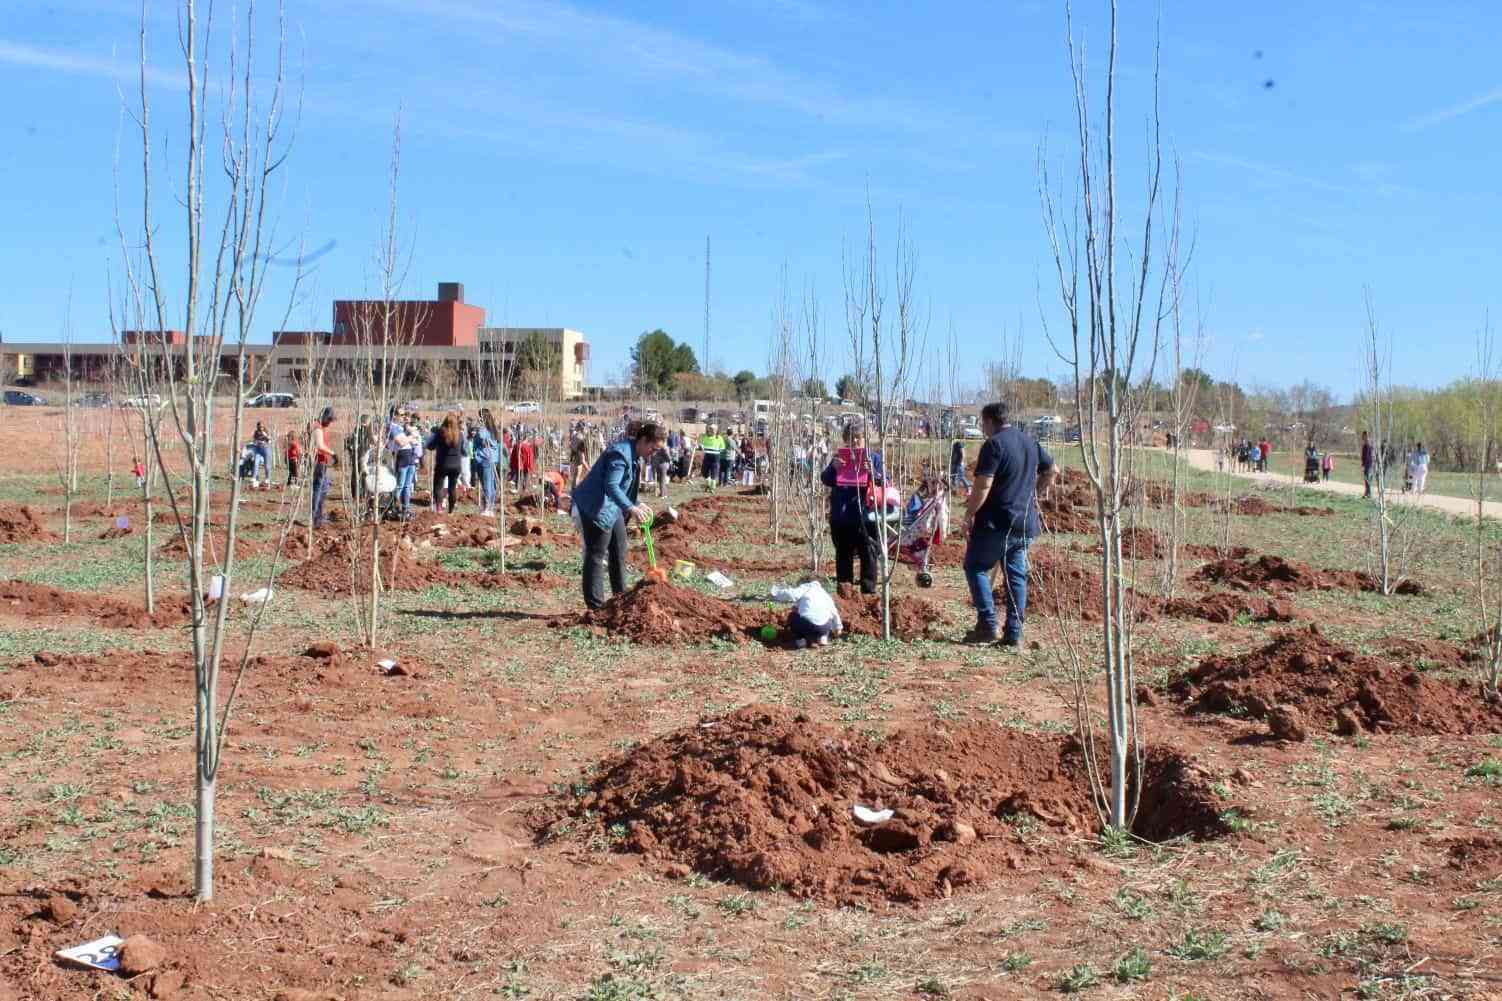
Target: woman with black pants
[
  {"x": 447, "y": 446},
  {"x": 851, "y": 526}
]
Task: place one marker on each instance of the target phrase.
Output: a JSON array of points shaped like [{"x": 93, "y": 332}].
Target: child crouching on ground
[{"x": 814, "y": 618}]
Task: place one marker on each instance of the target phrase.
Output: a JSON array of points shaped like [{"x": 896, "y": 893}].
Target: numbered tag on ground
[{"x": 100, "y": 954}]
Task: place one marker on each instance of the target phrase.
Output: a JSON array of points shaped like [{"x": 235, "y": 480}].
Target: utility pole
[{"x": 706, "y": 306}]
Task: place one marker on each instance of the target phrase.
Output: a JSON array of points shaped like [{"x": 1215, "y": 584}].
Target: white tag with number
[{"x": 100, "y": 954}]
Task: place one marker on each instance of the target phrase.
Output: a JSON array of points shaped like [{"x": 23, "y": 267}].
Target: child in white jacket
[{"x": 814, "y": 618}]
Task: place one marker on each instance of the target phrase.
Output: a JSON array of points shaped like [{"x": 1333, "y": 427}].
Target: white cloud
[
  {"x": 71, "y": 62},
  {"x": 1449, "y": 114}
]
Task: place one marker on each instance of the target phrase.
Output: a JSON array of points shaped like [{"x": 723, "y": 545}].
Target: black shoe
[
  {"x": 1012, "y": 642},
  {"x": 981, "y": 634}
]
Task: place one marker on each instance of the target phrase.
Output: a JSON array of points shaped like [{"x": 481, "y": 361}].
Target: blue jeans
[
  {"x": 321, "y": 485},
  {"x": 958, "y": 477},
  {"x": 487, "y": 484},
  {"x": 984, "y": 550},
  {"x": 406, "y": 480}
]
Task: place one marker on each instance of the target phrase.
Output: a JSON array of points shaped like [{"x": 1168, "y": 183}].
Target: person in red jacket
[
  {"x": 1266, "y": 448},
  {"x": 523, "y": 461},
  {"x": 294, "y": 456}
]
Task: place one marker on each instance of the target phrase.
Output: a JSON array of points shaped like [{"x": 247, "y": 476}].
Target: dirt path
[{"x": 1204, "y": 458}]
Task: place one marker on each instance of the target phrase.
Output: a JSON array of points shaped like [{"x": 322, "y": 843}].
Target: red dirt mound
[
  {"x": 1137, "y": 543},
  {"x": 764, "y": 797},
  {"x": 1479, "y": 858},
  {"x": 1256, "y": 507},
  {"x": 330, "y": 572},
  {"x": 116, "y": 532},
  {"x": 1335, "y": 688},
  {"x": 1062, "y": 587},
  {"x": 1274, "y": 573},
  {"x": 1428, "y": 653},
  {"x": 1200, "y": 551},
  {"x": 1225, "y": 607},
  {"x": 659, "y": 613},
  {"x": 19, "y": 523},
  {"x": 1160, "y": 494},
  {"x": 35, "y": 600},
  {"x": 911, "y": 617}
]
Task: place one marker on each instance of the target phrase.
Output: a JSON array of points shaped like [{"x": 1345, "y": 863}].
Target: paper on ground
[
  {"x": 718, "y": 579},
  {"x": 100, "y": 954},
  {"x": 866, "y": 815}
]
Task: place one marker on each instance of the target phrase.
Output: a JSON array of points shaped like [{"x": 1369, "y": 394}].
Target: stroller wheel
[{"x": 925, "y": 579}]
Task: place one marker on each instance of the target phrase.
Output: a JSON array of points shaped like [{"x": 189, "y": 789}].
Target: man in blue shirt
[{"x": 1001, "y": 518}]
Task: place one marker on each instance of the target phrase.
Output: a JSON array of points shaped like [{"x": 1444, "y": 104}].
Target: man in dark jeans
[
  {"x": 1001, "y": 518},
  {"x": 604, "y": 499},
  {"x": 1367, "y": 457}
]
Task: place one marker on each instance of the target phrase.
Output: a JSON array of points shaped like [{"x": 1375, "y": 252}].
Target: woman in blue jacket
[
  {"x": 603, "y": 500},
  {"x": 852, "y": 525}
]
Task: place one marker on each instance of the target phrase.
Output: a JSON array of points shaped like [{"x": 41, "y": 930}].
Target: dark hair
[
  {"x": 451, "y": 431},
  {"x": 648, "y": 431},
  {"x": 996, "y": 413},
  {"x": 852, "y": 429},
  {"x": 327, "y": 417}
]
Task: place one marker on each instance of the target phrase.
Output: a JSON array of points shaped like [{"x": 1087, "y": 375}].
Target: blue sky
[{"x": 566, "y": 161}]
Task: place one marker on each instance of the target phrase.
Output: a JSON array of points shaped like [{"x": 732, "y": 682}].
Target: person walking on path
[
  {"x": 260, "y": 440},
  {"x": 854, "y": 478},
  {"x": 447, "y": 446},
  {"x": 323, "y": 457},
  {"x": 1418, "y": 467},
  {"x": 1368, "y": 459},
  {"x": 1327, "y": 465},
  {"x": 1265, "y": 451},
  {"x": 604, "y": 499},
  {"x": 1001, "y": 519},
  {"x": 1254, "y": 458},
  {"x": 957, "y": 475}
]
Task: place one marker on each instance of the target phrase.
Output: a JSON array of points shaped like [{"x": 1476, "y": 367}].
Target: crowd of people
[{"x": 600, "y": 474}]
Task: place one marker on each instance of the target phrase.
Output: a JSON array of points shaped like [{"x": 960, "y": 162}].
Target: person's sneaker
[
  {"x": 982, "y": 633},
  {"x": 824, "y": 641},
  {"x": 1011, "y": 642},
  {"x": 800, "y": 643}
]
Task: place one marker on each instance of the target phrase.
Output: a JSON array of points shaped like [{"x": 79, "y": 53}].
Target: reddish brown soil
[
  {"x": 665, "y": 614},
  {"x": 1160, "y": 494},
  {"x": 36, "y": 601},
  {"x": 1335, "y": 689},
  {"x": 1137, "y": 543},
  {"x": 1201, "y": 551},
  {"x": 1478, "y": 858},
  {"x": 1225, "y": 607},
  {"x": 19, "y": 523},
  {"x": 911, "y": 617},
  {"x": 1060, "y": 586},
  {"x": 1274, "y": 573},
  {"x": 763, "y": 797},
  {"x": 116, "y": 532},
  {"x": 330, "y": 572},
  {"x": 1412, "y": 652},
  {"x": 1256, "y": 507}
]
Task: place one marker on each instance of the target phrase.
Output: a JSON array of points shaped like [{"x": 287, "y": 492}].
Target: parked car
[
  {"x": 94, "y": 400},
  {"x": 652, "y": 415},
  {"x": 1049, "y": 419},
  {"x": 973, "y": 432},
  {"x": 584, "y": 410},
  {"x": 272, "y": 400},
  {"x": 525, "y": 407},
  {"x": 19, "y": 398},
  {"x": 449, "y": 407},
  {"x": 149, "y": 401}
]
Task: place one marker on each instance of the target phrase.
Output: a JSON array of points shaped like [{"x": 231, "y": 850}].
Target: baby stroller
[
  {"x": 923, "y": 530},
  {"x": 249, "y": 457}
]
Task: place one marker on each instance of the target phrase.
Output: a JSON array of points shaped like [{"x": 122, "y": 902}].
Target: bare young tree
[
  {"x": 384, "y": 330},
  {"x": 1390, "y": 533},
  {"x": 782, "y": 376},
  {"x": 220, "y": 288},
  {"x": 1184, "y": 360},
  {"x": 888, "y": 351},
  {"x": 67, "y": 461},
  {"x": 1111, "y": 342},
  {"x": 810, "y": 352},
  {"x": 1488, "y": 563}
]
